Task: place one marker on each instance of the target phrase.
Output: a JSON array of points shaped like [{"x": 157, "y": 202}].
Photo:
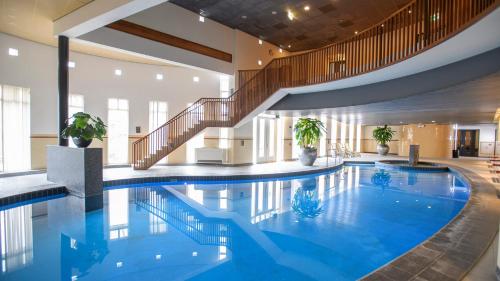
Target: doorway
[{"x": 468, "y": 142}]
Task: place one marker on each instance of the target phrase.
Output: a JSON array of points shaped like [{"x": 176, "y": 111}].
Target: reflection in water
[
  {"x": 305, "y": 203},
  {"x": 16, "y": 236},
  {"x": 118, "y": 213},
  {"x": 381, "y": 179}
]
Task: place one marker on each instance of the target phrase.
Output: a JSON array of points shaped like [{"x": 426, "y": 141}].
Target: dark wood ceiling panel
[{"x": 326, "y": 22}]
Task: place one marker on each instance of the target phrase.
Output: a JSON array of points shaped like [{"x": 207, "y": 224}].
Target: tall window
[
  {"x": 198, "y": 140},
  {"x": 117, "y": 131},
  {"x": 15, "y": 151},
  {"x": 158, "y": 112},
  {"x": 224, "y": 93},
  {"x": 75, "y": 105}
]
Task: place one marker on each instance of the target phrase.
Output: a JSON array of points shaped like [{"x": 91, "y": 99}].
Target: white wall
[
  {"x": 174, "y": 20},
  {"x": 93, "y": 77}
]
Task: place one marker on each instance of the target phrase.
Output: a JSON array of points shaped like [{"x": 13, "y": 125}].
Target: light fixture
[
  {"x": 159, "y": 76},
  {"x": 196, "y": 79},
  {"x": 244, "y": 17},
  {"x": 118, "y": 72},
  {"x": 289, "y": 46},
  {"x": 400, "y": 122},
  {"x": 274, "y": 12},
  {"x": 382, "y": 25},
  {"x": 291, "y": 16},
  {"x": 259, "y": 62},
  {"x": 260, "y": 42},
  {"x": 356, "y": 32},
  {"x": 158, "y": 257},
  {"x": 119, "y": 264},
  {"x": 280, "y": 50},
  {"x": 409, "y": 11},
  {"x": 71, "y": 64},
  {"x": 13, "y": 52},
  {"x": 202, "y": 19},
  {"x": 433, "y": 121},
  {"x": 195, "y": 254},
  {"x": 307, "y": 8}
]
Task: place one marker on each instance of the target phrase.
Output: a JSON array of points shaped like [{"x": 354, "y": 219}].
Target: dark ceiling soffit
[
  {"x": 167, "y": 39},
  {"x": 439, "y": 78}
]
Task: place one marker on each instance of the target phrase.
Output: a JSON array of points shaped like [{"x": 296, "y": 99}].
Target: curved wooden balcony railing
[{"x": 418, "y": 26}]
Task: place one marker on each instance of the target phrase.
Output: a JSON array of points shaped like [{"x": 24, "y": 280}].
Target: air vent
[
  {"x": 301, "y": 37},
  {"x": 280, "y": 25},
  {"x": 345, "y": 23},
  {"x": 327, "y": 8}
]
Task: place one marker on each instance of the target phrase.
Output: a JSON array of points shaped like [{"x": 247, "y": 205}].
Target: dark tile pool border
[
  {"x": 454, "y": 250},
  {"x": 32, "y": 195},
  {"x": 158, "y": 179}
]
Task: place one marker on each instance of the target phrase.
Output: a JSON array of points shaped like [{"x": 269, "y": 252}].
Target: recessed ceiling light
[
  {"x": 13, "y": 52},
  {"x": 159, "y": 76},
  {"x": 307, "y": 8},
  {"x": 202, "y": 19},
  {"x": 158, "y": 257},
  {"x": 71, "y": 64},
  {"x": 196, "y": 79},
  {"x": 274, "y": 12},
  {"x": 118, "y": 72},
  {"x": 119, "y": 264},
  {"x": 409, "y": 11},
  {"x": 290, "y": 14},
  {"x": 244, "y": 17},
  {"x": 281, "y": 50},
  {"x": 382, "y": 25},
  {"x": 433, "y": 121},
  {"x": 400, "y": 122},
  {"x": 356, "y": 32},
  {"x": 195, "y": 254},
  {"x": 260, "y": 42},
  {"x": 259, "y": 62}
]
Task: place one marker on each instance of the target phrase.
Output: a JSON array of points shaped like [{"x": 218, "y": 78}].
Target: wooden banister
[{"x": 416, "y": 27}]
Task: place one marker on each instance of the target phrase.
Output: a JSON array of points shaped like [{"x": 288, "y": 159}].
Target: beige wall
[{"x": 435, "y": 141}]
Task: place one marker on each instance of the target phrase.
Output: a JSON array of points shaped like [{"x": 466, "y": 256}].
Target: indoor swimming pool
[{"x": 339, "y": 225}]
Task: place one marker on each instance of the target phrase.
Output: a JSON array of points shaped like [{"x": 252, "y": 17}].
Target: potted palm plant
[
  {"x": 383, "y": 135},
  {"x": 307, "y": 132},
  {"x": 84, "y": 128}
]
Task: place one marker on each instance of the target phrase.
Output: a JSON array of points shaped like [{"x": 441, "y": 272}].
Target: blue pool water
[{"x": 336, "y": 226}]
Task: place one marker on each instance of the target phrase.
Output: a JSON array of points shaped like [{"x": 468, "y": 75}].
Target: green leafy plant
[
  {"x": 383, "y": 135},
  {"x": 84, "y": 126},
  {"x": 308, "y": 131}
]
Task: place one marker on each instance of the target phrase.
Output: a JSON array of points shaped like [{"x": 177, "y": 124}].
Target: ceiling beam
[
  {"x": 99, "y": 13},
  {"x": 171, "y": 40}
]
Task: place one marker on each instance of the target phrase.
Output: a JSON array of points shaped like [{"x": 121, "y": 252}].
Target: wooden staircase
[{"x": 420, "y": 25}]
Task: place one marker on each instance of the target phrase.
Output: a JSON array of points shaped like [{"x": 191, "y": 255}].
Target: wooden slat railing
[
  {"x": 245, "y": 76},
  {"x": 418, "y": 26}
]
